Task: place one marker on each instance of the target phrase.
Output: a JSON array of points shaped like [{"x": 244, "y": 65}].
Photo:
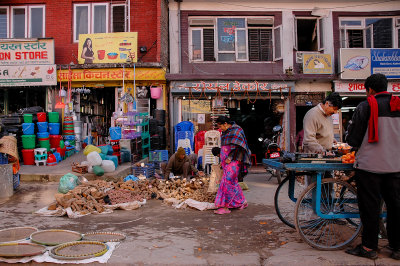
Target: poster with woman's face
[{"x": 99, "y": 48}]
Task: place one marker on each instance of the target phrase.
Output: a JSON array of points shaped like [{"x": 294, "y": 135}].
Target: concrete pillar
[{"x": 6, "y": 181}]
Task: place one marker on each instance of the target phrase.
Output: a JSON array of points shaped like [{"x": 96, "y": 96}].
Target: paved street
[{"x": 158, "y": 234}]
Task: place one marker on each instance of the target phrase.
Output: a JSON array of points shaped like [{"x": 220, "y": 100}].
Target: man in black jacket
[{"x": 377, "y": 165}]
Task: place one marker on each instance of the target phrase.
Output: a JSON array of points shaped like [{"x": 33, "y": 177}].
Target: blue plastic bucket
[
  {"x": 28, "y": 128},
  {"x": 42, "y": 126},
  {"x": 115, "y": 133},
  {"x": 54, "y": 128},
  {"x": 43, "y": 135}
]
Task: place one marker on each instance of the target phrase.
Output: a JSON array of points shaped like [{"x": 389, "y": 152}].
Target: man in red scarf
[{"x": 375, "y": 131}]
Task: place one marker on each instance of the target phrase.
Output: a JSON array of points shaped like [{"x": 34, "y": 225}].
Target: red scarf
[{"x": 373, "y": 118}]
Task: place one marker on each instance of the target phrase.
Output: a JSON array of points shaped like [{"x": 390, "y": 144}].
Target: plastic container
[
  {"x": 147, "y": 170},
  {"x": 155, "y": 92},
  {"x": 43, "y": 135},
  {"x": 28, "y": 118},
  {"x": 28, "y": 156},
  {"x": 44, "y": 143},
  {"x": 42, "y": 126},
  {"x": 28, "y": 141},
  {"x": 158, "y": 156},
  {"x": 28, "y": 128},
  {"x": 54, "y": 128},
  {"x": 115, "y": 133},
  {"x": 78, "y": 127},
  {"x": 16, "y": 180},
  {"x": 54, "y": 117},
  {"x": 55, "y": 141},
  {"x": 41, "y": 117}
]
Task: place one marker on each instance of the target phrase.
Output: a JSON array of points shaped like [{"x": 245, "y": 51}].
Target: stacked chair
[
  {"x": 212, "y": 138},
  {"x": 184, "y": 136}
]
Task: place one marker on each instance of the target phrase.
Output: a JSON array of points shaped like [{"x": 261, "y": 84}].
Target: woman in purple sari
[{"x": 235, "y": 156}]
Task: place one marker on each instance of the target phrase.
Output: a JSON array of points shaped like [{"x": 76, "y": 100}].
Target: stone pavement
[{"x": 158, "y": 234}]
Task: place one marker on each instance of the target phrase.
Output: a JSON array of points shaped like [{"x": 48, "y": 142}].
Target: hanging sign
[
  {"x": 39, "y": 52},
  {"x": 358, "y": 87},
  {"x": 28, "y": 75},
  {"x": 317, "y": 64}
]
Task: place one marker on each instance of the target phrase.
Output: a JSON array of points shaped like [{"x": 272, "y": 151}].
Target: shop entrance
[
  {"x": 257, "y": 120},
  {"x": 20, "y": 98}
]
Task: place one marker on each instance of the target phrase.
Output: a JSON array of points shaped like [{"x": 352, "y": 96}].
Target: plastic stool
[
  {"x": 253, "y": 159},
  {"x": 40, "y": 151},
  {"x": 40, "y": 157},
  {"x": 40, "y": 162}
]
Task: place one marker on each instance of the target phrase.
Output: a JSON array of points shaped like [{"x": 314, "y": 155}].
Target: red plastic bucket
[
  {"x": 28, "y": 156},
  {"x": 41, "y": 117},
  {"x": 55, "y": 141},
  {"x": 61, "y": 151}
]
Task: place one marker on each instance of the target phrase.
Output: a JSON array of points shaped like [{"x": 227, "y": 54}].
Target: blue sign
[{"x": 386, "y": 61}]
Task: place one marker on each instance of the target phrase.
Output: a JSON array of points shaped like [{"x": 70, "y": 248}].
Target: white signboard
[
  {"x": 28, "y": 75},
  {"x": 358, "y": 87},
  {"x": 39, "y": 52}
]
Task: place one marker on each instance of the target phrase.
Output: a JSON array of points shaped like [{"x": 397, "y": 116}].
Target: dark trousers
[{"x": 371, "y": 188}]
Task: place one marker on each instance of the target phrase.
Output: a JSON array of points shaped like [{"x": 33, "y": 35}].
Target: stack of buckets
[
  {"x": 43, "y": 134},
  {"x": 54, "y": 130},
  {"x": 69, "y": 133},
  {"x": 28, "y": 140}
]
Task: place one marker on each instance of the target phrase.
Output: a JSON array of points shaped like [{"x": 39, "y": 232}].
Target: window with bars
[
  {"x": 368, "y": 32},
  {"x": 230, "y": 39}
]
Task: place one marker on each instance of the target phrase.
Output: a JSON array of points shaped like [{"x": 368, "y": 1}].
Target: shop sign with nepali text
[
  {"x": 111, "y": 74},
  {"x": 36, "y": 52},
  {"x": 317, "y": 64},
  {"x": 102, "y": 48},
  {"x": 358, "y": 87},
  {"x": 232, "y": 86},
  {"x": 361, "y": 63},
  {"x": 28, "y": 75}
]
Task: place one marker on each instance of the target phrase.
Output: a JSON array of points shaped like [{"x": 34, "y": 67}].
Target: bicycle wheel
[
  {"x": 328, "y": 234},
  {"x": 285, "y": 200}
]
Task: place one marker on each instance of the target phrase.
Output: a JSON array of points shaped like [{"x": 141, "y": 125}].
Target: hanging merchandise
[
  {"x": 59, "y": 103},
  {"x": 127, "y": 97},
  {"x": 142, "y": 92}
]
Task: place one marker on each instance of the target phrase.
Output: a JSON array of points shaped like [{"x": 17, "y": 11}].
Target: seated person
[{"x": 180, "y": 165}]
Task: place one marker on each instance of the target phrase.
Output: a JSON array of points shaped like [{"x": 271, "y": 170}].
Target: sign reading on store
[
  {"x": 358, "y": 87},
  {"x": 40, "y": 52},
  {"x": 235, "y": 86}
]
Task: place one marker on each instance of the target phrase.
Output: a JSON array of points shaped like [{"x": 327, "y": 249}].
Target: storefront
[
  {"x": 27, "y": 71},
  {"x": 256, "y": 106},
  {"x": 98, "y": 96}
]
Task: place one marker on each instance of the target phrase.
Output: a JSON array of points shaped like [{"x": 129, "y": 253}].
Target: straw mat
[
  {"x": 20, "y": 249},
  {"x": 104, "y": 236},
  {"x": 55, "y": 237},
  {"x": 16, "y": 233}
]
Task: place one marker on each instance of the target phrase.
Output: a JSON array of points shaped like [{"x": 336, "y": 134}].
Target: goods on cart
[{"x": 349, "y": 157}]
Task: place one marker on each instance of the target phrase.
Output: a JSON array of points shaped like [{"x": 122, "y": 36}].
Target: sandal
[
  {"x": 244, "y": 206},
  {"x": 222, "y": 211}
]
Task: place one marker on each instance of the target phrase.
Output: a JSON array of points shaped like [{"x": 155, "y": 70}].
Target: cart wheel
[
  {"x": 328, "y": 234},
  {"x": 285, "y": 203}
]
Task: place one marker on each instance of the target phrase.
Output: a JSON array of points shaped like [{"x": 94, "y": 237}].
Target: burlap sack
[{"x": 215, "y": 178}]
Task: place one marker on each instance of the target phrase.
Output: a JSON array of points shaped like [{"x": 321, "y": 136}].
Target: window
[
  {"x": 25, "y": 21},
  {"x": 118, "y": 18},
  {"x": 309, "y": 34},
  {"x": 3, "y": 22},
  {"x": 367, "y": 32},
  {"x": 94, "y": 18},
  {"x": 230, "y": 39}
]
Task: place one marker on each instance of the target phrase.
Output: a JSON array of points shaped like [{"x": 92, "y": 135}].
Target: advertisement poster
[
  {"x": 317, "y": 64},
  {"x": 28, "y": 75},
  {"x": 361, "y": 63},
  {"x": 358, "y": 87},
  {"x": 355, "y": 63},
  {"x": 386, "y": 61},
  {"x": 201, "y": 118},
  {"x": 13, "y": 53},
  {"x": 102, "y": 48}
]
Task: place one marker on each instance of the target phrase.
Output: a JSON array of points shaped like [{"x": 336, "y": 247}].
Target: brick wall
[{"x": 145, "y": 19}]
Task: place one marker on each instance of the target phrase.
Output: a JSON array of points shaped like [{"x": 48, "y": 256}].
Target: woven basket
[
  {"x": 79, "y": 250},
  {"x": 55, "y": 237},
  {"x": 21, "y": 249},
  {"x": 16, "y": 234},
  {"x": 104, "y": 236}
]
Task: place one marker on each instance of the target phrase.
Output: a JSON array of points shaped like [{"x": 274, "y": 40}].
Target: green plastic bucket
[
  {"x": 28, "y": 141},
  {"x": 28, "y": 118},
  {"x": 53, "y": 117},
  {"x": 44, "y": 143}
]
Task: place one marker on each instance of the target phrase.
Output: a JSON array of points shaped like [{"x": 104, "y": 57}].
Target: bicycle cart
[{"x": 326, "y": 212}]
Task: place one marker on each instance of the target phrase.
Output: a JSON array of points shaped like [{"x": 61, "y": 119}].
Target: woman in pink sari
[{"x": 234, "y": 155}]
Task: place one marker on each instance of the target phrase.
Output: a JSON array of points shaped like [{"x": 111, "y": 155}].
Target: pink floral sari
[{"x": 230, "y": 194}]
